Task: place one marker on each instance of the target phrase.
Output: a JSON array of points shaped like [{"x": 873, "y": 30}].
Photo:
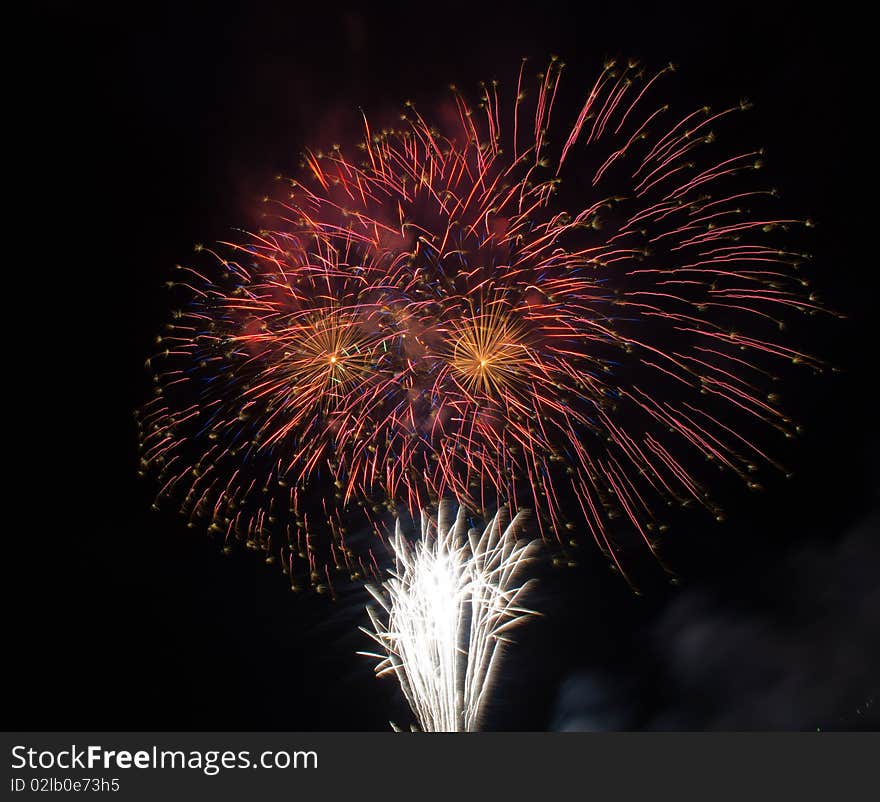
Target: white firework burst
[{"x": 452, "y": 597}]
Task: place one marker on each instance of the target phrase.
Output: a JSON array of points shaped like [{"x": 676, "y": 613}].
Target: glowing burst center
[{"x": 488, "y": 353}]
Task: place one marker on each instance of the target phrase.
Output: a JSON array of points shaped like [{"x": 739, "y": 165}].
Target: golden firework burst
[
  {"x": 487, "y": 350},
  {"x": 325, "y": 354}
]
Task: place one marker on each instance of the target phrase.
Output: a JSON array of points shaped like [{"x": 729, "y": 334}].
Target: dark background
[{"x": 160, "y": 125}]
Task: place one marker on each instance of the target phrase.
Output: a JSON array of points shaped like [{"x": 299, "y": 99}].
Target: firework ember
[
  {"x": 451, "y": 599},
  {"x": 470, "y": 308}
]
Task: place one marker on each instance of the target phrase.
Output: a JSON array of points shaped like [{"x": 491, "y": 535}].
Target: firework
[
  {"x": 470, "y": 308},
  {"x": 451, "y": 599}
]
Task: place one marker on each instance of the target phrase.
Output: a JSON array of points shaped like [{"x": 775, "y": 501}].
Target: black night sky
[{"x": 161, "y": 125}]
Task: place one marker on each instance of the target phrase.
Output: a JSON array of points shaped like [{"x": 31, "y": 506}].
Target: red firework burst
[{"x": 439, "y": 315}]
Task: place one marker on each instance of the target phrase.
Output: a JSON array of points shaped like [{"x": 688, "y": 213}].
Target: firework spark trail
[
  {"x": 451, "y": 598},
  {"x": 438, "y": 316}
]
